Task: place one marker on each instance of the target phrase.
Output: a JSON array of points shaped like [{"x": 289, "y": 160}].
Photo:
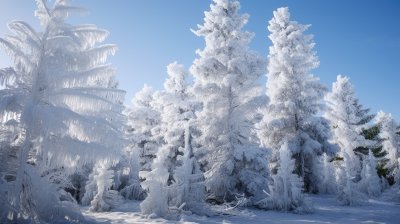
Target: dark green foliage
[
  {"x": 372, "y": 133},
  {"x": 363, "y": 114},
  {"x": 368, "y": 133},
  {"x": 336, "y": 158}
]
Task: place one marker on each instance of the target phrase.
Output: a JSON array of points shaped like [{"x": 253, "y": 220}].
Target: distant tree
[
  {"x": 226, "y": 75},
  {"x": 99, "y": 194},
  {"x": 155, "y": 184},
  {"x": 126, "y": 177},
  {"x": 176, "y": 107},
  {"x": 328, "y": 172},
  {"x": 370, "y": 182},
  {"x": 347, "y": 191},
  {"x": 371, "y": 132},
  {"x": 295, "y": 99},
  {"x": 188, "y": 190},
  {"x": 286, "y": 191},
  {"x": 66, "y": 101},
  {"x": 144, "y": 127},
  {"x": 348, "y": 120},
  {"x": 390, "y": 144}
]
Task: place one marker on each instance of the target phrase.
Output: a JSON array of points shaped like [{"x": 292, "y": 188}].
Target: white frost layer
[{"x": 326, "y": 207}]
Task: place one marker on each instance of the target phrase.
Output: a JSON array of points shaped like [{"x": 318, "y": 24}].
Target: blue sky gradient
[{"x": 359, "y": 39}]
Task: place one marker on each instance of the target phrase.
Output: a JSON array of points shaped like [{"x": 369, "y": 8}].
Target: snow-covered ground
[{"x": 327, "y": 210}]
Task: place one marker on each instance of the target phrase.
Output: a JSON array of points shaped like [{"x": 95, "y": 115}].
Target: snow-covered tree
[
  {"x": 328, "y": 170},
  {"x": 188, "y": 190},
  {"x": 372, "y": 134},
  {"x": 156, "y": 202},
  {"x": 185, "y": 192},
  {"x": 66, "y": 100},
  {"x": 10, "y": 143},
  {"x": 176, "y": 106},
  {"x": 127, "y": 176},
  {"x": 347, "y": 192},
  {"x": 347, "y": 121},
  {"x": 144, "y": 126},
  {"x": 390, "y": 144},
  {"x": 226, "y": 74},
  {"x": 370, "y": 182},
  {"x": 295, "y": 99},
  {"x": 286, "y": 191},
  {"x": 98, "y": 192}
]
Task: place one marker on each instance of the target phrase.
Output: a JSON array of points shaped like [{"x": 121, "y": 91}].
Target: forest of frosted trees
[{"x": 212, "y": 136}]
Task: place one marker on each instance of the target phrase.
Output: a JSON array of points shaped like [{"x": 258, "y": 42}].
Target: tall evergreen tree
[
  {"x": 176, "y": 109},
  {"x": 348, "y": 120},
  {"x": 371, "y": 131},
  {"x": 67, "y": 103},
  {"x": 390, "y": 144},
  {"x": 144, "y": 127},
  {"x": 226, "y": 75},
  {"x": 295, "y": 99}
]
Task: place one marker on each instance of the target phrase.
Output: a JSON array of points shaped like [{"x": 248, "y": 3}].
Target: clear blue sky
[{"x": 360, "y": 39}]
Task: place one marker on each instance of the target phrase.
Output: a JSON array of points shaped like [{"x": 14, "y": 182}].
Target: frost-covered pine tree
[
  {"x": 226, "y": 74},
  {"x": 156, "y": 202},
  {"x": 176, "y": 106},
  {"x": 66, "y": 100},
  {"x": 127, "y": 179},
  {"x": 144, "y": 127},
  {"x": 347, "y": 191},
  {"x": 390, "y": 144},
  {"x": 295, "y": 99},
  {"x": 188, "y": 190},
  {"x": 328, "y": 170},
  {"x": 370, "y": 182},
  {"x": 347, "y": 121},
  {"x": 98, "y": 192},
  {"x": 285, "y": 193}
]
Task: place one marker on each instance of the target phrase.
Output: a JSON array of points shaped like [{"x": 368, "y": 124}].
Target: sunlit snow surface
[{"x": 327, "y": 210}]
